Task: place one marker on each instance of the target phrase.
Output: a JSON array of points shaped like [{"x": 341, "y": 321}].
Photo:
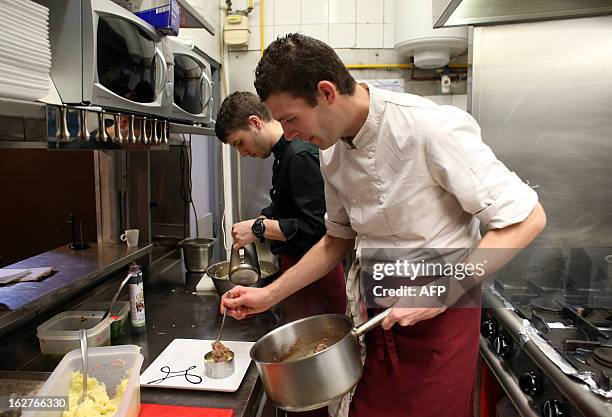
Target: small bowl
[{"x": 218, "y": 370}]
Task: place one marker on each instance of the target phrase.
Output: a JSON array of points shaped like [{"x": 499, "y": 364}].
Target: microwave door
[
  {"x": 130, "y": 69},
  {"x": 192, "y": 88}
]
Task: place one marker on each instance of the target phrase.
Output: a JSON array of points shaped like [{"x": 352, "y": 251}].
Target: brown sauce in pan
[{"x": 304, "y": 349}]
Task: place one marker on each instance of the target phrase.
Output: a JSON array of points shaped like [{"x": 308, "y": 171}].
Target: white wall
[{"x": 340, "y": 23}]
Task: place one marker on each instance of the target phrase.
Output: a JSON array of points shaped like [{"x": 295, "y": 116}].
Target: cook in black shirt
[{"x": 294, "y": 220}]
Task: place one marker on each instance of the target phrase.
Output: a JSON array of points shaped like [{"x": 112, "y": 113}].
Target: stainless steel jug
[{"x": 244, "y": 266}]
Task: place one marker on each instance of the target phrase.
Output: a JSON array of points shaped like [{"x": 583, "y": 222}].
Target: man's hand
[
  {"x": 242, "y": 233},
  {"x": 410, "y": 316},
  {"x": 243, "y": 302}
]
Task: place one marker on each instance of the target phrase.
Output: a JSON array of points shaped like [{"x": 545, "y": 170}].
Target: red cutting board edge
[{"x": 160, "y": 410}]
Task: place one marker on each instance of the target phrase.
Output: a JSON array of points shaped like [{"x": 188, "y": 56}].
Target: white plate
[
  {"x": 17, "y": 73},
  {"x": 16, "y": 49},
  {"x": 25, "y": 15},
  {"x": 18, "y": 61},
  {"x": 21, "y": 42},
  {"x": 19, "y": 93},
  {"x": 23, "y": 82},
  {"x": 32, "y": 32},
  {"x": 21, "y": 57},
  {"x": 34, "y": 82},
  {"x": 43, "y": 87},
  {"x": 25, "y": 20},
  {"x": 182, "y": 354},
  {"x": 28, "y": 6}
]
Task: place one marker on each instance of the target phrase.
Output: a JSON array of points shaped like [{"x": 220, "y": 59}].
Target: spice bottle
[{"x": 137, "y": 305}]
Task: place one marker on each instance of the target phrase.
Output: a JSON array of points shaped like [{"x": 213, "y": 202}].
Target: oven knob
[
  {"x": 501, "y": 346},
  {"x": 554, "y": 408},
  {"x": 488, "y": 328},
  {"x": 530, "y": 383}
]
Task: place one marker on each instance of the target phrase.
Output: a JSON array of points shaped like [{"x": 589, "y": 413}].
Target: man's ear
[
  {"x": 255, "y": 122},
  {"x": 327, "y": 91}
]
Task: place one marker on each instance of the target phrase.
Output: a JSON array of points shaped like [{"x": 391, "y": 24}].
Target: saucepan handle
[{"x": 370, "y": 324}]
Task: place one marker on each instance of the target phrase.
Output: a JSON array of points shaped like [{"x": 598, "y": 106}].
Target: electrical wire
[
  {"x": 195, "y": 214},
  {"x": 186, "y": 189},
  {"x": 182, "y": 190}
]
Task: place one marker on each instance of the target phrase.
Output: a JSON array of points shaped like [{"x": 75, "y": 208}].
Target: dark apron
[
  {"x": 324, "y": 296},
  {"x": 425, "y": 370}
]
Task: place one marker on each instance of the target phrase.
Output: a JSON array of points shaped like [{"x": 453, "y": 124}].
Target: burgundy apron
[
  {"x": 325, "y": 295},
  {"x": 425, "y": 370}
]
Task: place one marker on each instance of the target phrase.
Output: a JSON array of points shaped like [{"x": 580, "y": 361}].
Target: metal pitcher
[{"x": 244, "y": 266}]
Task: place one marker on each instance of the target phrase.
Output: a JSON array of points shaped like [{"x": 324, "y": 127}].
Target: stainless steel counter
[
  {"x": 174, "y": 310},
  {"x": 76, "y": 271}
]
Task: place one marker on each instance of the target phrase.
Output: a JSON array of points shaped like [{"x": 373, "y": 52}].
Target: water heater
[{"x": 415, "y": 36}]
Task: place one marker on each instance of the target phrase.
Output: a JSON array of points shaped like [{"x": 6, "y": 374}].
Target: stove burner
[
  {"x": 545, "y": 305},
  {"x": 603, "y": 355}
]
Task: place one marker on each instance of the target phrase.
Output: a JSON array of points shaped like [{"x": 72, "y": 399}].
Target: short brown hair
[
  {"x": 235, "y": 112},
  {"x": 295, "y": 64}
]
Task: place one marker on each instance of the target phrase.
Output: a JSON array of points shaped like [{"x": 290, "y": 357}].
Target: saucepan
[{"x": 312, "y": 362}]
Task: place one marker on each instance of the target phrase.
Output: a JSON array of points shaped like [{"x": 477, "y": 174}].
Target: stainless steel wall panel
[{"x": 542, "y": 93}]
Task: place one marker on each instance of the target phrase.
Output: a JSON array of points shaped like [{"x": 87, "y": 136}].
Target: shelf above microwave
[{"x": 192, "y": 19}]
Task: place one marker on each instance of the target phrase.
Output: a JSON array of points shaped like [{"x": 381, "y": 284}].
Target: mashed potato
[{"x": 97, "y": 403}]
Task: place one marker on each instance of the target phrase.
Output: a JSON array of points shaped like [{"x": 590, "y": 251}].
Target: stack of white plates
[{"x": 25, "y": 55}]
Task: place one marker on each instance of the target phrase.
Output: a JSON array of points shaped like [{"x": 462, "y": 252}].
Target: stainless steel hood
[{"x": 487, "y": 12}]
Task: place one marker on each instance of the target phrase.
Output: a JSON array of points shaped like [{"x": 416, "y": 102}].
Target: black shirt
[{"x": 298, "y": 197}]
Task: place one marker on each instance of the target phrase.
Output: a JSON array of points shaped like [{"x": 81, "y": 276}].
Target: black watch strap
[{"x": 259, "y": 229}]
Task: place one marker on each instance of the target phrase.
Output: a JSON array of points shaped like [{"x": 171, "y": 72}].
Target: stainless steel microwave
[
  {"x": 105, "y": 56},
  {"x": 191, "y": 76}
]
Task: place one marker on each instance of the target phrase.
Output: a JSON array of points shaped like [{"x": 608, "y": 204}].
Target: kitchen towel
[
  {"x": 9, "y": 275},
  {"x": 158, "y": 410}
]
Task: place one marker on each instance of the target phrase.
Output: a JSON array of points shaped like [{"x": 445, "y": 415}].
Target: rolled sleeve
[
  {"x": 467, "y": 168},
  {"x": 289, "y": 227},
  {"x": 269, "y": 211}
]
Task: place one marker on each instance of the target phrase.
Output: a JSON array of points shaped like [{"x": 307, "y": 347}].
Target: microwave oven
[
  {"x": 105, "y": 56},
  {"x": 191, "y": 75}
]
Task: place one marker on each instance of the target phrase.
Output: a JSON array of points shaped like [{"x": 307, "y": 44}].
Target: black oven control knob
[
  {"x": 501, "y": 346},
  {"x": 530, "y": 383},
  {"x": 488, "y": 328},
  {"x": 554, "y": 408}
]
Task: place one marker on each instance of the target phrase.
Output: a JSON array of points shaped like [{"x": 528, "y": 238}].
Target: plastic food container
[
  {"x": 109, "y": 365},
  {"x": 118, "y": 315},
  {"x": 60, "y": 334}
]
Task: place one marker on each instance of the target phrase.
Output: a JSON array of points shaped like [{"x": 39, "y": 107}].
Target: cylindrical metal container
[
  {"x": 295, "y": 376},
  {"x": 196, "y": 253},
  {"x": 218, "y": 370}
]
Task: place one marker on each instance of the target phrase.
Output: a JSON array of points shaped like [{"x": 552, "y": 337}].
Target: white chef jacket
[{"x": 419, "y": 176}]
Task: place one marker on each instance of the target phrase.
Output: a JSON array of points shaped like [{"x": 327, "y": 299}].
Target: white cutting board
[{"x": 187, "y": 355}]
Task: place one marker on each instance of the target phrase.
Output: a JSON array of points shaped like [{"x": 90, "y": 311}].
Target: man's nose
[{"x": 243, "y": 152}]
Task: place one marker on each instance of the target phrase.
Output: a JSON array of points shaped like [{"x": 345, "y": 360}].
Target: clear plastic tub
[
  {"x": 119, "y": 315},
  {"x": 109, "y": 365},
  {"x": 60, "y": 334}
]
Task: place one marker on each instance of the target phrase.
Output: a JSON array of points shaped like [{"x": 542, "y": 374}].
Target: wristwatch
[{"x": 259, "y": 228}]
